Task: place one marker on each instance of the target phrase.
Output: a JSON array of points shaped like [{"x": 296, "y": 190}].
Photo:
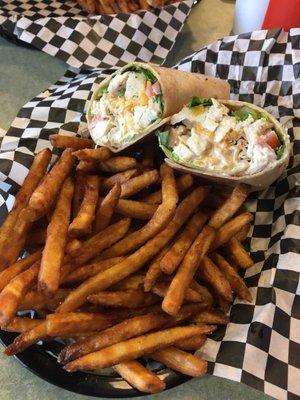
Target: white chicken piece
[
  {"x": 197, "y": 143},
  {"x": 135, "y": 85},
  {"x": 226, "y": 125},
  {"x": 117, "y": 82},
  {"x": 100, "y": 131},
  {"x": 262, "y": 156},
  {"x": 183, "y": 152}
]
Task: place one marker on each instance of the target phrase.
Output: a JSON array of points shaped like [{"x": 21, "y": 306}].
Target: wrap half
[
  {"x": 226, "y": 141},
  {"x": 138, "y": 98}
]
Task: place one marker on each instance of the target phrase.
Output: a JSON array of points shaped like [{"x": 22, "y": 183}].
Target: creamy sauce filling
[
  {"x": 210, "y": 138},
  {"x": 127, "y": 108}
]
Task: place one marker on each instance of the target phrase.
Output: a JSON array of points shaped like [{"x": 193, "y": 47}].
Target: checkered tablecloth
[
  {"x": 61, "y": 29},
  {"x": 261, "y": 344}
]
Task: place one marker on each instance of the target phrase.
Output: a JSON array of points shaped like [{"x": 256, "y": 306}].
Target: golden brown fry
[
  {"x": 123, "y": 6},
  {"x": 131, "y": 282},
  {"x": 243, "y": 233},
  {"x": 239, "y": 254},
  {"x": 178, "y": 250},
  {"x": 106, "y": 7},
  {"x": 90, "y": 6},
  {"x": 138, "y": 259},
  {"x": 183, "y": 182},
  {"x": 117, "y": 164},
  {"x": 86, "y": 271},
  {"x": 231, "y": 228},
  {"x": 131, "y": 298},
  {"x": 236, "y": 282},
  {"x": 230, "y": 207},
  {"x": 154, "y": 270},
  {"x": 211, "y": 316},
  {"x": 140, "y": 377},
  {"x": 62, "y": 324},
  {"x": 76, "y": 143},
  {"x": 34, "y": 300},
  {"x": 53, "y": 253},
  {"x": 180, "y": 283},
  {"x": 11, "y": 296},
  {"x": 79, "y": 188},
  {"x": 87, "y": 166},
  {"x": 27, "y": 339},
  {"x": 45, "y": 194},
  {"x": 106, "y": 209},
  {"x": 223, "y": 303},
  {"x": 132, "y": 348},
  {"x": 160, "y": 219},
  {"x": 95, "y": 155},
  {"x": 120, "y": 178},
  {"x": 82, "y": 223},
  {"x": 136, "y": 184},
  {"x": 211, "y": 274},
  {"x": 136, "y": 209},
  {"x": 191, "y": 296},
  {"x": 192, "y": 344},
  {"x": 73, "y": 247},
  {"x": 19, "y": 266},
  {"x": 21, "y": 324},
  {"x": 144, "y": 5},
  {"x": 181, "y": 361}
]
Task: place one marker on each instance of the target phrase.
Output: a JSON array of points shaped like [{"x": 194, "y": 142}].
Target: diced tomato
[{"x": 270, "y": 139}]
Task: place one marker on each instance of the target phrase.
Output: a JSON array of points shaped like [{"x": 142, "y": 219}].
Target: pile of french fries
[
  {"x": 121, "y": 6},
  {"x": 124, "y": 258}
]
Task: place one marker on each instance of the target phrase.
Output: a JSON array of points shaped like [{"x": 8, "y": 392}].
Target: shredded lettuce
[
  {"x": 280, "y": 150},
  {"x": 101, "y": 92},
  {"x": 197, "y": 101},
  {"x": 163, "y": 138},
  {"x": 121, "y": 92},
  {"x": 243, "y": 113},
  {"x": 159, "y": 100},
  {"x": 148, "y": 75}
]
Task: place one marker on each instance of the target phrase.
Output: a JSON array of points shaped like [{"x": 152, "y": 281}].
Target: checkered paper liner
[
  {"x": 61, "y": 29},
  {"x": 261, "y": 344}
]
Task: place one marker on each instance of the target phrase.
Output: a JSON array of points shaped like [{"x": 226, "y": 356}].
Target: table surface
[{"x": 25, "y": 73}]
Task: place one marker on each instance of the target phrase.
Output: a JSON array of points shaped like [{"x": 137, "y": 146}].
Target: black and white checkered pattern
[
  {"x": 61, "y": 29},
  {"x": 261, "y": 344}
]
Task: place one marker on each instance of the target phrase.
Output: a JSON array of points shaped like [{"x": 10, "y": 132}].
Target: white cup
[{"x": 249, "y": 15}]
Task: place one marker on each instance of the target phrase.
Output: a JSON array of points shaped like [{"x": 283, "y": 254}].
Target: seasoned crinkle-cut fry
[
  {"x": 117, "y": 164},
  {"x": 231, "y": 228},
  {"x": 136, "y": 184},
  {"x": 53, "y": 253},
  {"x": 211, "y": 316},
  {"x": 236, "y": 282},
  {"x": 171, "y": 260},
  {"x": 131, "y": 298},
  {"x": 135, "y": 209},
  {"x": 19, "y": 266},
  {"x": 180, "y": 361},
  {"x": 161, "y": 217},
  {"x": 192, "y": 344},
  {"x": 82, "y": 223},
  {"x": 45, "y": 194},
  {"x": 140, "y": 377},
  {"x": 21, "y": 324},
  {"x": 229, "y": 207},
  {"x": 211, "y": 274},
  {"x": 132, "y": 348},
  {"x": 13, "y": 293},
  {"x": 97, "y": 155},
  {"x": 35, "y": 300},
  {"x": 73, "y": 142},
  {"x": 179, "y": 284},
  {"x": 106, "y": 209},
  {"x": 239, "y": 254},
  {"x": 63, "y": 324}
]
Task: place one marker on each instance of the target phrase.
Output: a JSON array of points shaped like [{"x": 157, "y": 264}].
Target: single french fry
[
  {"x": 87, "y": 166},
  {"x": 236, "y": 282},
  {"x": 19, "y": 266},
  {"x": 138, "y": 259},
  {"x": 180, "y": 361},
  {"x": 62, "y": 324},
  {"x": 73, "y": 247},
  {"x": 239, "y": 254},
  {"x": 86, "y": 271},
  {"x": 96, "y": 155},
  {"x": 131, "y": 282},
  {"x": 187, "y": 269},
  {"x": 82, "y": 223},
  {"x": 106, "y": 209},
  {"x": 231, "y": 228},
  {"x": 78, "y": 195},
  {"x": 11, "y": 296},
  {"x": 34, "y": 300},
  {"x": 191, "y": 296},
  {"x": 132, "y": 348},
  {"x": 53, "y": 253},
  {"x": 211, "y": 316},
  {"x": 135, "y": 209},
  {"x": 131, "y": 298},
  {"x": 27, "y": 339},
  {"x": 183, "y": 182},
  {"x": 192, "y": 344},
  {"x": 21, "y": 324},
  {"x": 136, "y": 184},
  {"x": 140, "y": 377},
  {"x": 154, "y": 270},
  {"x": 223, "y": 303},
  {"x": 120, "y": 177},
  {"x": 229, "y": 207},
  {"x": 74, "y": 142},
  {"x": 117, "y": 164},
  {"x": 171, "y": 260},
  {"x": 144, "y": 5},
  {"x": 203, "y": 291},
  {"x": 160, "y": 219},
  {"x": 106, "y": 7},
  {"x": 243, "y": 233},
  {"x": 45, "y": 194},
  {"x": 211, "y": 274},
  {"x": 123, "y": 6}
]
